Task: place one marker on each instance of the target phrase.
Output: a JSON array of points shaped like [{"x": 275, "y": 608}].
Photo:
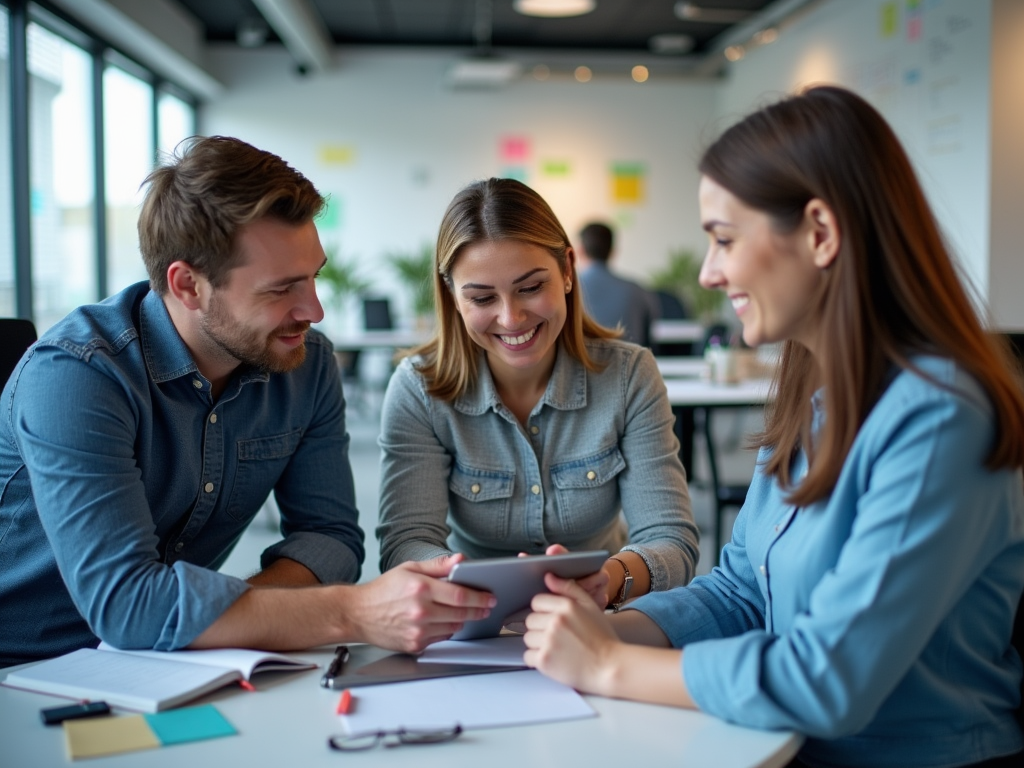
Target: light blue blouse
[{"x": 877, "y": 621}]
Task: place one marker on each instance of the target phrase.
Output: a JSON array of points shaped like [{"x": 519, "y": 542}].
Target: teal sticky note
[{"x": 189, "y": 724}]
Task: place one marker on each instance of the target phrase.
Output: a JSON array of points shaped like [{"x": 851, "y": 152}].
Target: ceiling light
[
  {"x": 583, "y": 74},
  {"x": 541, "y": 72},
  {"x": 553, "y": 8},
  {"x": 640, "y": 73},
  {"x": 670, "y": 44},
  {"x": 734, "y": 52},
  {"x": 766, "y": 36},
  {"x": 483, "y": 72},
  {"x": 693, "y": 12},
  {"x": 251, "y": 32}
]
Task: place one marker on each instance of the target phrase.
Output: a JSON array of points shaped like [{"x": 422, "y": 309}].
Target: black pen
[{"x": 337, "y": 664}]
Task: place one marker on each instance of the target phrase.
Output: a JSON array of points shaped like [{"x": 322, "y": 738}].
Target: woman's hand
[
  {"x": 595, "y": 585},
  {"x": 569, "y": 638}
]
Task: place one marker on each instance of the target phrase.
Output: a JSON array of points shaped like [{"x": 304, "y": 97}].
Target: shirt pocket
[
  {"x": 261, "y": 461},
  {"x": 480, "y": 500},
  {"x": 587, "y": 491}
]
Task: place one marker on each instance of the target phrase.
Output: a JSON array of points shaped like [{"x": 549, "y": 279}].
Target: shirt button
[
  {"x": 197, "y": 383},
  {"x": 776, "y": 529},
  {"x": 764, "y": 571},
  {"x": 213, "y": 418},
  {"x": 475, "y": 488},
  {"x": 179, "y": 546},
  {"x": 591, "y": 475},
  {"x": 208, "y": 487},
  {"x": 534, "y": 430},
  {"x": 535, "y": 489}
]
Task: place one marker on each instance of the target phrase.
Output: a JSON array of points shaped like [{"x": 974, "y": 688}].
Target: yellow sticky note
[
  {"x": 108, "y": 736},
  {"x": 337, "y": 154}
]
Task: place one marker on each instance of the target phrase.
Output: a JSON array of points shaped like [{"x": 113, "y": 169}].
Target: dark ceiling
[{"x": 615, "y": 26}]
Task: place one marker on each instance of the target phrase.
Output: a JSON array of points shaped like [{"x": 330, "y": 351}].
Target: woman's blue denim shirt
[
  {"x": 124, "y": 484},
  {"x": 876, "y": 621},
  {"x": 466, "y": 476}
]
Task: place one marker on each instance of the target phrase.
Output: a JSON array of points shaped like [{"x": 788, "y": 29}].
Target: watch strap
[{"x": 627, "y": 585}]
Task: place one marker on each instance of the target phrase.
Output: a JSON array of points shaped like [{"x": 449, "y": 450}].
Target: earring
[{"x": 568, "y": 285}]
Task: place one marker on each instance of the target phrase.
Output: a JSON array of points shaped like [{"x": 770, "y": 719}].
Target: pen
[
  {"x": 345, "y": 703},
  {"x": 341, "y": 655}
]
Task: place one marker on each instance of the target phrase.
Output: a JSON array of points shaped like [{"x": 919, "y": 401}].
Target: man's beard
[{"x": 248, "y": 345}]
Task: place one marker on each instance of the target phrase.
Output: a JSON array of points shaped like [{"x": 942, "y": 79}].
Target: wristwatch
[{"x": 627, "y": 585}]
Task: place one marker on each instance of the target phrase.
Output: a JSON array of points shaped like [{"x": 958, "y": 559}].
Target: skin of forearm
[
  {"x": 281, "y": 619},
  {"x": 284, "y": 572},
  {"x": 647, "y": 674}
]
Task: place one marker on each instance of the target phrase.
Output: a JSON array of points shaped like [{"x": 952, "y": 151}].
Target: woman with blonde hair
[
  {"x": 868, "y": 594},
  {"x": 523, "y": 426}
]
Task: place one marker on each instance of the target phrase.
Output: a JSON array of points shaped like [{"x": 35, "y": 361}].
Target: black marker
[
  {"x": 337, "y": 664},
  {"x": 57, "y": 715}
]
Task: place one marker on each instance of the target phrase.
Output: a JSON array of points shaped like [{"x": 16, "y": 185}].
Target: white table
[
  {"x": 287, "y": 722},
  {"x": 392, "y": 339},
  {"x": 696, "y": 393},
  {"x": 682, "y": 366},
  {"x": 674, "y": 331}
]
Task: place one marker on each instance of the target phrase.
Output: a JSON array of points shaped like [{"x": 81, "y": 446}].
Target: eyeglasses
[{"x": 370, "y": 739}]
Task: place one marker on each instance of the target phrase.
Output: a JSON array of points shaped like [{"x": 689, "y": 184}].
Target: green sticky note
[
  {"x": 189, "y": 724},
  {"x": 330, "y": 215}
]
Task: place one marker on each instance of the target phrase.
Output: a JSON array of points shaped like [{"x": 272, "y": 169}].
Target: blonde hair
[{"x": 486, "y": 211}]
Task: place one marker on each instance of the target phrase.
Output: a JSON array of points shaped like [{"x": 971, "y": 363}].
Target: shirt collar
[
  {"x": 165, "y": 352},
  {"x": 566, "y": 390}
]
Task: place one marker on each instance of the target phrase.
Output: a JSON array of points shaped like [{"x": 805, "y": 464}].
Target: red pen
[
  {"x": 345, "y": 703},
  {"x": 247, "y": 685}
]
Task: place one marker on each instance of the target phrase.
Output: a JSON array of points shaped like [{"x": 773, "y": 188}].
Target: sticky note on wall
[{"x": 627, "y": 182}]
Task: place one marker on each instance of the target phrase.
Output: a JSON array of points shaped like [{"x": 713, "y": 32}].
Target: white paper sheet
[
  {"x": 504, "y": 651},
  {"x": 473, "y": 701}
]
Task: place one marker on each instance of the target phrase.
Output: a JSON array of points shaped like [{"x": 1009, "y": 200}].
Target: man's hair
[
  {"x": 892, "y": 292},
  {"x": 213, "y": 186},
  {"x": 489, "y": 211},
  {"x": 597, "y": 240}
]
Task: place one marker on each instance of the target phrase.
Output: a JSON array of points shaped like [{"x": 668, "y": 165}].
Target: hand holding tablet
[{"x": 514, "y": 581}]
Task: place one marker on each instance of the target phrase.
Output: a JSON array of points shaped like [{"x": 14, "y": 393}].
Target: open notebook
[{"x": 147, "y": 681}]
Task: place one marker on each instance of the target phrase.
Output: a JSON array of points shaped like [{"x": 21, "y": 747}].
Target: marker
[
  {"x": 345, "y": 703},
  {"x": 247, "y": 685}
]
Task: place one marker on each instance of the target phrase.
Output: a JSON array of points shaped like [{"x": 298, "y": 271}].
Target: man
[
  {"x": 610, "y": 299},
  {"x": 140, "y": 436}
]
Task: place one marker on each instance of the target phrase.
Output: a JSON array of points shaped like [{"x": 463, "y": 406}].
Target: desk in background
[{"x": 287, "y": 722}]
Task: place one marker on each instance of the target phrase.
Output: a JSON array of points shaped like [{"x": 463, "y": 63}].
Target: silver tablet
[{"x": 514, "y": 581}]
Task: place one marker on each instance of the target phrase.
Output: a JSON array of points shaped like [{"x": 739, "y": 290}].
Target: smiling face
[
  {"x": 261, "y": 315},
  {"x": 773, "y": 280},
  {"x": 511, "y": 296}
]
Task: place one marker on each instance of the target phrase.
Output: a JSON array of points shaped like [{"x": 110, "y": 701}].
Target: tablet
[{"x": 514, "y": 581}]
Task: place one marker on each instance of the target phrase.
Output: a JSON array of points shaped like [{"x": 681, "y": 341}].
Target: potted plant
[
  {"x": 342, "y": 279},
  {"x": 416, "y": 272},
  {"x": 680, "y": 278}
]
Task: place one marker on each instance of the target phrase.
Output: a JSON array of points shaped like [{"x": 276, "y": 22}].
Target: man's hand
[{"x": 411, "y": 606}]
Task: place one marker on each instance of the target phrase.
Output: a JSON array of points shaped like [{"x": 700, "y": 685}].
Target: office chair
[{"x": 16, "y": 335}]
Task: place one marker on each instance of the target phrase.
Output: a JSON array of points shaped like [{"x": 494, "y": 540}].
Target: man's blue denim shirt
[{"x": 124, "y": 485}]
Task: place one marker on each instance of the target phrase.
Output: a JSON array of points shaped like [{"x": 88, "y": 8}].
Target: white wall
[
  {"x": 932, "y": 85},
  {"x": 415, "y": 142}
]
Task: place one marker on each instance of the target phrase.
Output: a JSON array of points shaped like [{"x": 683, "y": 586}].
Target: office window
[
  {"x": 61, "y": 176},
  {"x": 176, "y": 120},
  {"x": 6, "y": 204},
  {"x": 129, "y": 154}
]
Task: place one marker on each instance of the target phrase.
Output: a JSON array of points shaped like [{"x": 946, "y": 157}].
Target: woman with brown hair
[
  {"x": 523, "y": 426},
  {"x": 868, "y": 594}
]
